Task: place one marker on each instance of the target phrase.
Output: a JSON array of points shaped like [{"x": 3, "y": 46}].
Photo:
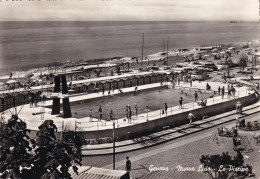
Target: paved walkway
[{"x": 83, "y": 124}]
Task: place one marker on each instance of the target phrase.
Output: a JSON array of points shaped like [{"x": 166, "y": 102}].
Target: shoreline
[{"x": 110, "y": 60}]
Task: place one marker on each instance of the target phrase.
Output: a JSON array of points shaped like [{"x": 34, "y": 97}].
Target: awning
[
  {"x": 79, "y": 85},
  {"x": 11, "y": 81}
]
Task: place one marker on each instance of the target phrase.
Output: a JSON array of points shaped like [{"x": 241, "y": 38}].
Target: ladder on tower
[{"x": 42, "y": 109}]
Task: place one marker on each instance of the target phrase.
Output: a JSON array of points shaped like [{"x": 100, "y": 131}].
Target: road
[{"x": 184, "y": 151}]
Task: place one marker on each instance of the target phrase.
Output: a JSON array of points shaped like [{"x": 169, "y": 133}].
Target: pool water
[{"x": 153, "y": 98}]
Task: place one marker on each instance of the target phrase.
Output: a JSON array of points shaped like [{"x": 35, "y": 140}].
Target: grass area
[{"x": 153, "y": 98}]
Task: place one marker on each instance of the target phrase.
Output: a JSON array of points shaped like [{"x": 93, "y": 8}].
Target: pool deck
[{"x": 84, "y": 124}]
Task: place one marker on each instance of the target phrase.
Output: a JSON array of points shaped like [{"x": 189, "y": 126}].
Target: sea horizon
[{"x": 26, "y": 44}]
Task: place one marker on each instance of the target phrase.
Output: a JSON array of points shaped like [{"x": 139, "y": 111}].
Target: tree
[
  {"x": 15, "y": 147},
  {"x": 44, "y": 157},
  {"x": 224, "y": 166}
]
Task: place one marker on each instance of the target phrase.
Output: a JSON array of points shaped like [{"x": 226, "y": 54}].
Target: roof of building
[
  {"x": 176, "y": 174},
  {"x": 97, "y": 173}
]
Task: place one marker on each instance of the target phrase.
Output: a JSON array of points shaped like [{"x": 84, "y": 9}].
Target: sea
[{"x": 27, "y": 45}]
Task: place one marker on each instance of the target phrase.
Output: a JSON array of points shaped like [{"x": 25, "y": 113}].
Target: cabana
[
  {"x": 92, "y": 87},
  {"x": 19, "y": 99},
  {"x": 84, "y": 87},
  {"x": 2, "y": 103},
  {"x": 121, "y": 83},
  {"x": 154, "y": 77},
  {"x": 147, "y": 79},
  {"x": 9, "y": 101},
  {"x": 79, "y": 87},
  {"x": 164, "y": 77},
  {"x": 131, "y": 81},
  {"x": 140, "y": 80},
  {"x": 106, "y": 85},
  {"x": 114, "y": 84}
]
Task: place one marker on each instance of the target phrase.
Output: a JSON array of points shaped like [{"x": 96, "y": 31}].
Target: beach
[{"x": 31, "y": 45}]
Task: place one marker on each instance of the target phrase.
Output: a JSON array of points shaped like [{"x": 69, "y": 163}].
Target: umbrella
[
  {"x": 206, "y": 55},
  {"x": 214, "y": 53},
  {"x": 222, "y": 52},
  {"x": 11, "y": 81},
  {"x": 214, "y": 50},
  {"x": 257, "y": 54},
  {"x": 33, "y": 77}
]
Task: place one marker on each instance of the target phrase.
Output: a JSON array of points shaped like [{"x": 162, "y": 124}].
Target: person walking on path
[
  {"x": 100, "y": 112},
  {"x": 180, "y": 102},
  {"x": 219, "y": 90},
  {"x": 128, "y": 164},
  {"x": 190, "y": 82},
  {"x": 165, "y": 108},
  {"x": 239, "y": 107},
  {"x": 196, "y": 96},
  {"x": 191, "y": 117}
]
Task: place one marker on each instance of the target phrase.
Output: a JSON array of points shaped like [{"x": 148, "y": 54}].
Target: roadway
[{"x": 184, "y": 151}]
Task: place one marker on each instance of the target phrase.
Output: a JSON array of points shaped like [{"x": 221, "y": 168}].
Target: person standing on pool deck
[
  {"x": 130, "y": 114},
  {"x": 90, "y": 116},
  {"x": 100, "y": 112},
  {"x": 180, "y": 102},
  {"x": 196, "y": 96},
  {"x": 136, "y": 109},
  {"x": 165, "y": 108},
  {"x": 126, "y": 112}
]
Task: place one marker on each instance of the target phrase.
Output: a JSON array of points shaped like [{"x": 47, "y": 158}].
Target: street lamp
[
  {"x": 147, "y": 110},
  {"x": 112, "y": 117}
]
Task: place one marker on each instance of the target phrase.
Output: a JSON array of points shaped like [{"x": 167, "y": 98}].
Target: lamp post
[
  {"x": 112, "y": 117},
  {"x": 114, "y": 147}
]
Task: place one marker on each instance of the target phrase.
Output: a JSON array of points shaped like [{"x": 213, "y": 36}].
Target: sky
[{"x": 129, "y": 10}]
